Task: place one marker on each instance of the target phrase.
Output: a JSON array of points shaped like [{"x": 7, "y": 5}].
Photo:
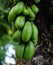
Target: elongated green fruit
[
  {"x": 35, "y": 9},
  {"x": 32, "y": 18},
  {"x": 16, "y": 1},
  {"x": 17, "y": 35},
  {"x": 37, "y": 1},
  {"x": 31, "y": 14},
  {"x": 29, "y": 51},
  {"x": 35, "y": 41},
  {"x": 20, "y": 21},
  {"x": 12, "y": 14},
  {"x": 27, "y": 31},
  {"x": 15, "y": 11},
  {"x": 34, "y": 34},
  {"x": 25, "y": 11},
  {"x": 20, "y": 51}
]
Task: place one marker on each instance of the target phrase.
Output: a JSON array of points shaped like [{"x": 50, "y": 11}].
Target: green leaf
[
  {"x": 2, "y": 55},
  {"x": 6, "y": 39},
  {"x": 1, "y": 6}
]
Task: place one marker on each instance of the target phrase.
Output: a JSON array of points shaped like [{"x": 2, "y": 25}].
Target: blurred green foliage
[{"x": 5, "y": 6}]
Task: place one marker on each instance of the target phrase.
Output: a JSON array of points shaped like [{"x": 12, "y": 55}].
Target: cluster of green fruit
[{"x": 26, "y": 34}]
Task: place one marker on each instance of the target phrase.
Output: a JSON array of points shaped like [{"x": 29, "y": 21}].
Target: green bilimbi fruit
[
  {"x": 27, "y": 32},
  {"x": 34, "y": 34},
  {"x": 17, "y": 35},
  {"x": 20, "y": 21},
  {"x": 35, "y": 41},
  {"x": 15, "y": 11},
  {"x": 20, "y": 51},
  {"x": 16, "y": 1},
  {"x": 31, "y": 14},
  {"x": 37, "y": 1},
  {"x": 25, "y": 11},
  {"x": 35, "y": 9},
  {"x": 29, "y": 51},
  {"x": 32, "y": 18}
]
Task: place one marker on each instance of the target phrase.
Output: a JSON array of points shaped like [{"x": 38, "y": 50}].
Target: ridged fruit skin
[
  {"x": 29, "y": 51},
  {"x": 17, "y": 35},
  {"x": 35, "y": 9},
  {"x": 20, "y": 51},
  {"x": 27, "y": 32},
  {"x": 37, "y": 1},
  {"x": 20, "y": 21},
  {"x": 15, "y": 11},
  {"x": 34, "y": 33},
  {"x": 31, "y": 14}
]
